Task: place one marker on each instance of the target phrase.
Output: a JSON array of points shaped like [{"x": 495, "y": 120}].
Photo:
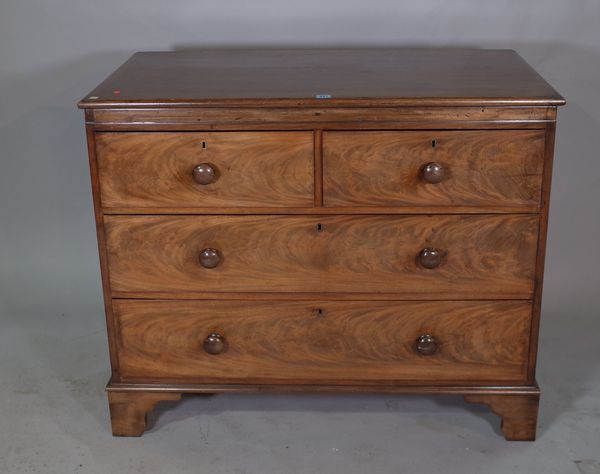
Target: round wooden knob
[
  {"x": 210, "y": 258},
  {"x": 426, "y": 344},
  {"x": 430, "y": 257},
  {"x": 215, "y": 343},
  {"x": 204, "y": 174},
  {"x": 433, "y": 173}
]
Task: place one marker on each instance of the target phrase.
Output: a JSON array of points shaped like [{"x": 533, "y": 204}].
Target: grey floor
[{"x": 54, "y": 416}]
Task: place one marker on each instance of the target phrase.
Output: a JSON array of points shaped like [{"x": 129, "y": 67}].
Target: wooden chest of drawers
[{"x": 326, "y": 220}]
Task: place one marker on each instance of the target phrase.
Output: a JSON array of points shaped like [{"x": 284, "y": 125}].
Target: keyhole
[
  {"x": 203, "y": 144},
  {"x": 319, "y": 312},
  {"x": 433, "y": 143},
  {"x": 319, "y": 227}
]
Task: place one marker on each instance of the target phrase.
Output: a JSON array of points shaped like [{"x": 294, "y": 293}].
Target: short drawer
[
  {"x": 436, "y": 256},
  {"x": 322, "y": 341},
  {"x": 433, "y": 168},
  {"x": 205, "y": 169}
]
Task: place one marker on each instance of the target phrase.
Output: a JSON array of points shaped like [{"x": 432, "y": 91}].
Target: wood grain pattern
[
  {"x": 101, "y": 240},
  {"x": 384, "y": 168},
  {"x": 129, "y": 410},
  {"x": 372, "y": 77},
  {"x": 322, "y": 341},
  {"x": 519, "y": 413},
  {"x": 254, "y": 169},
  {"x": 297, "y": 118},
  {"x": 486, "y": 256},
  {"x": 318, "y": 164},
  {"x": 541, "y": 248}
]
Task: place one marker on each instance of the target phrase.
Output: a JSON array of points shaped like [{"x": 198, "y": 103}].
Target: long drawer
[
  {"x": 425, "y": 257},
  {"x": 433, "y": 168},
  {"x": 205, "y": 169},
  {"x": 322, "y": 341}
]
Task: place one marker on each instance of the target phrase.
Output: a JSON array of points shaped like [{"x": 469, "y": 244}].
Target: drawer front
[
  {"x": 434, "y": 168},
  {"x": 478, "y": 256},
  {"x": 237, "y": 169},
  {"x": 322, "y": 342}
]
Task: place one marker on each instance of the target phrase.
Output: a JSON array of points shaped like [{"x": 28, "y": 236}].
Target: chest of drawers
[{"x": 325, "y": 220}]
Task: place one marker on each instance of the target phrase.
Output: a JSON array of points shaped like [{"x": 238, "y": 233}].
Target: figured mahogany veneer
[
  {"x": 271, "y": 169},
  {"x": 483, "y": 256},
  {"x": 326, "y": 221},
  {"x": 474, "y": 168},
  {"x": 323, "y": 341}
]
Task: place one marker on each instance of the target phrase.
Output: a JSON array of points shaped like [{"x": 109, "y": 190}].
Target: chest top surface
[{"x": 336, "y": 77}]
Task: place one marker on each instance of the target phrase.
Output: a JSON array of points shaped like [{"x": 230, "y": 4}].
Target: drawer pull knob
[
  {"x": 433, "y": 173},
  {"x": 430, "y": 257},
  {"x": 426, "y": 345},
  {"x": 215, "y": 343},
  {"x": 205, "y": 174},
  {"x": 210, "y": 258}
]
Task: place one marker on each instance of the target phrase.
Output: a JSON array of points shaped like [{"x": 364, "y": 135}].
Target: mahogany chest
[{"x": 322, "y": 220}]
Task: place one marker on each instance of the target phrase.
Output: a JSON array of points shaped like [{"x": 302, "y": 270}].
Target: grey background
[{"x": 53, "y": 359}]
